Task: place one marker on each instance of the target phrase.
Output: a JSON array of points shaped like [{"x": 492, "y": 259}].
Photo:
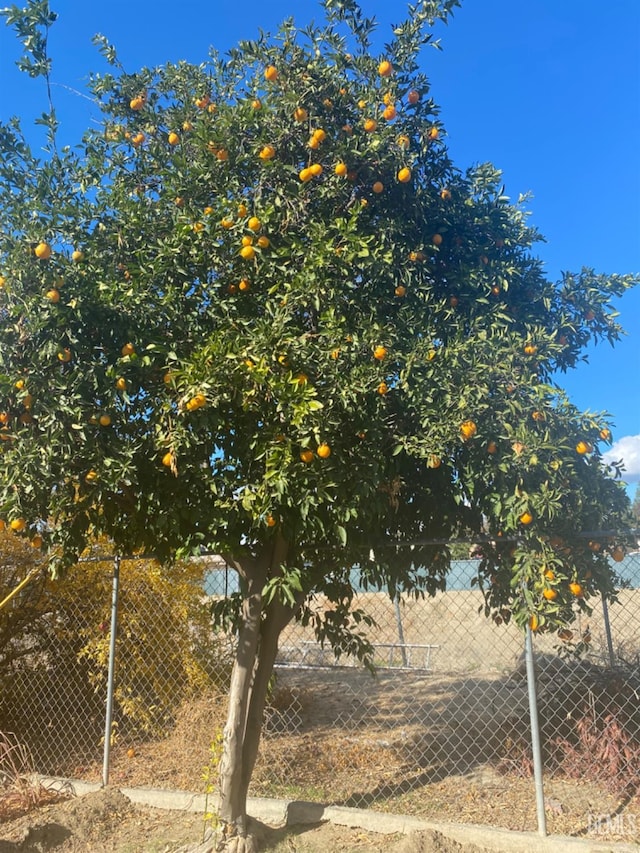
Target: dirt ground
[{"x": 107, "y": 821}]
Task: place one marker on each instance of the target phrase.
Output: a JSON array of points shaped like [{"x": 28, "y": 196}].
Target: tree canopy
[{"x": 260, "y": 301}]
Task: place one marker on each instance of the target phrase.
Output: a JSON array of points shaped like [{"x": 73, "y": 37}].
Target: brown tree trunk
[{"x": 255, "y": 657}]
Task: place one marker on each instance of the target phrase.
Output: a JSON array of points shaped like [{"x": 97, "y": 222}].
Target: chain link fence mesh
[{"x": 445, "y": 718}]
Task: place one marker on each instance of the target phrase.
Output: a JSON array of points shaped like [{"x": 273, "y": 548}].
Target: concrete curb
[{"x": 295, "y": 813}]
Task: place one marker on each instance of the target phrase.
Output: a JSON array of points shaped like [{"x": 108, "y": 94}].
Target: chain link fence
[{"x": 441, "y": 730}]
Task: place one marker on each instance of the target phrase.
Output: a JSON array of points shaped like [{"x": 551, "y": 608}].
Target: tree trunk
[{"x": 255, "y": 657}]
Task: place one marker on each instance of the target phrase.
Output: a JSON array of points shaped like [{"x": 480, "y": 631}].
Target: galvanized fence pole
[
  {"x": 535, "y": 733},
  {"x": 607, "y": 631},
  {"x": 111, "y": 672},
  {"x": 403, "y": 648}
]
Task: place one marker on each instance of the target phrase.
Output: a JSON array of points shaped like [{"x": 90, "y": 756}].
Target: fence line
[{"x": 450, "y": 699}]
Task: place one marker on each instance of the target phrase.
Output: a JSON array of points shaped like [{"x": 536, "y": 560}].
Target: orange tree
[{"x": 260, "y": 311}]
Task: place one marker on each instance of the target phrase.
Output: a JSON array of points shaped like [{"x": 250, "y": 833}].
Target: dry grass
[{"x": 20, "y": 789}]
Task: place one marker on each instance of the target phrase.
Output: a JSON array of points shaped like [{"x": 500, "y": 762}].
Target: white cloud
[{"x": 626, "y": 448}]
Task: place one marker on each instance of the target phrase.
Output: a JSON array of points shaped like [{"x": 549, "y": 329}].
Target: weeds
[{"x": 20, "y": 788}]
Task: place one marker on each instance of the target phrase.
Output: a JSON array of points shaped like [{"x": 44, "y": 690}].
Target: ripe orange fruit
[
  {"x": 538, "y": 416},
  {"x": 433, "y": 133},
  {"x": 138, "y": 102},
  {"x": 196, "y": 402},
  {"x": 530, "y": 349},
  {"x": 400, "y": 290},
  {"x": 254, "y": 224},
  {"x": 583, "y": 447},
  {"x": 445, "y": 194},
  {"x": 268, "y": 152},
  {"x": 385, "y": 69},
  {"x": 389, "y": 112},
  {"x": 319, "y": 134},
  {"x": 248, "y": 253},
  {"x": 227, "y": 222},
  {"x": 403, "y": 141},
  {"x": 437, "y": 239},
  {"x": 300, "y": 114},
  {"x": 387, "y": 99},
  {"x": 138, "y": 139},
  {"x": 382, "y": 389},
  {"x": 42, "y": 251},
  {"x": 378, "y": 187},
  {"x": 434, "y": 461},
  {"x": 91, "y": 476},
  {"x": 492, "y": 447},
  {"x": 315, "y": 169},
  {"x": 380, "y": 353},
  {"x": 222, "y": 154},
  {"x": 605, "y": 434},
  {"x": 36, "y": 542},
  {"x": 306, "y": 456},
  {"x": 202, "y": 102},
  {"x": 18, "y": 525},
  {"x": 534, "y": 622},
  {"x": 104, "y": 420},
  {"x": 173, "y": 138},
  {"x": 468, "y": 429},
  {"x": 413, "y": 96},
  {"x": 549, "y": 594},
  {"x": 77, "y": 256},
  {"x": 264, "y": 242},
  {"x": 167, "y": 459},
  {"x": 270, "y": 521},
  {"x": 271, "y": 73},
  {"x": 19, "y": 384},
  {"x": 247, "y": 241},
  {"x": 323, "y": 451},
  {"x": 301, "y": 378},
  {"x": 404, "y": 175},
  {"x": 121, "y": 383},
  {"x": 244, "y": 286},
  {"x": 341, "y": 169},
  {"x": 128, "y": 349},
  {"x": 370, "y": 125},
  {"x": 526, "y": 518},
  {"x": 305, "y": 175},
  {"x": 53, "y": 295},
  {"x": 549, "y": 574},
  {"x": 179, "y": 201},
  {"x": 576, "y": 589}
]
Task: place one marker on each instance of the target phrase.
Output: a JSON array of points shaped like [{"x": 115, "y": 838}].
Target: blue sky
[{"x": 548, "y": 91}]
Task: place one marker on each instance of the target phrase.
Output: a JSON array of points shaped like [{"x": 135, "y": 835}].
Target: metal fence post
[
  {"x": 607, "y": 630},
  {"x": 403, "y": 649},
  {"x": 111, "y": 671},
  {"x": 535, "y": 733}
]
